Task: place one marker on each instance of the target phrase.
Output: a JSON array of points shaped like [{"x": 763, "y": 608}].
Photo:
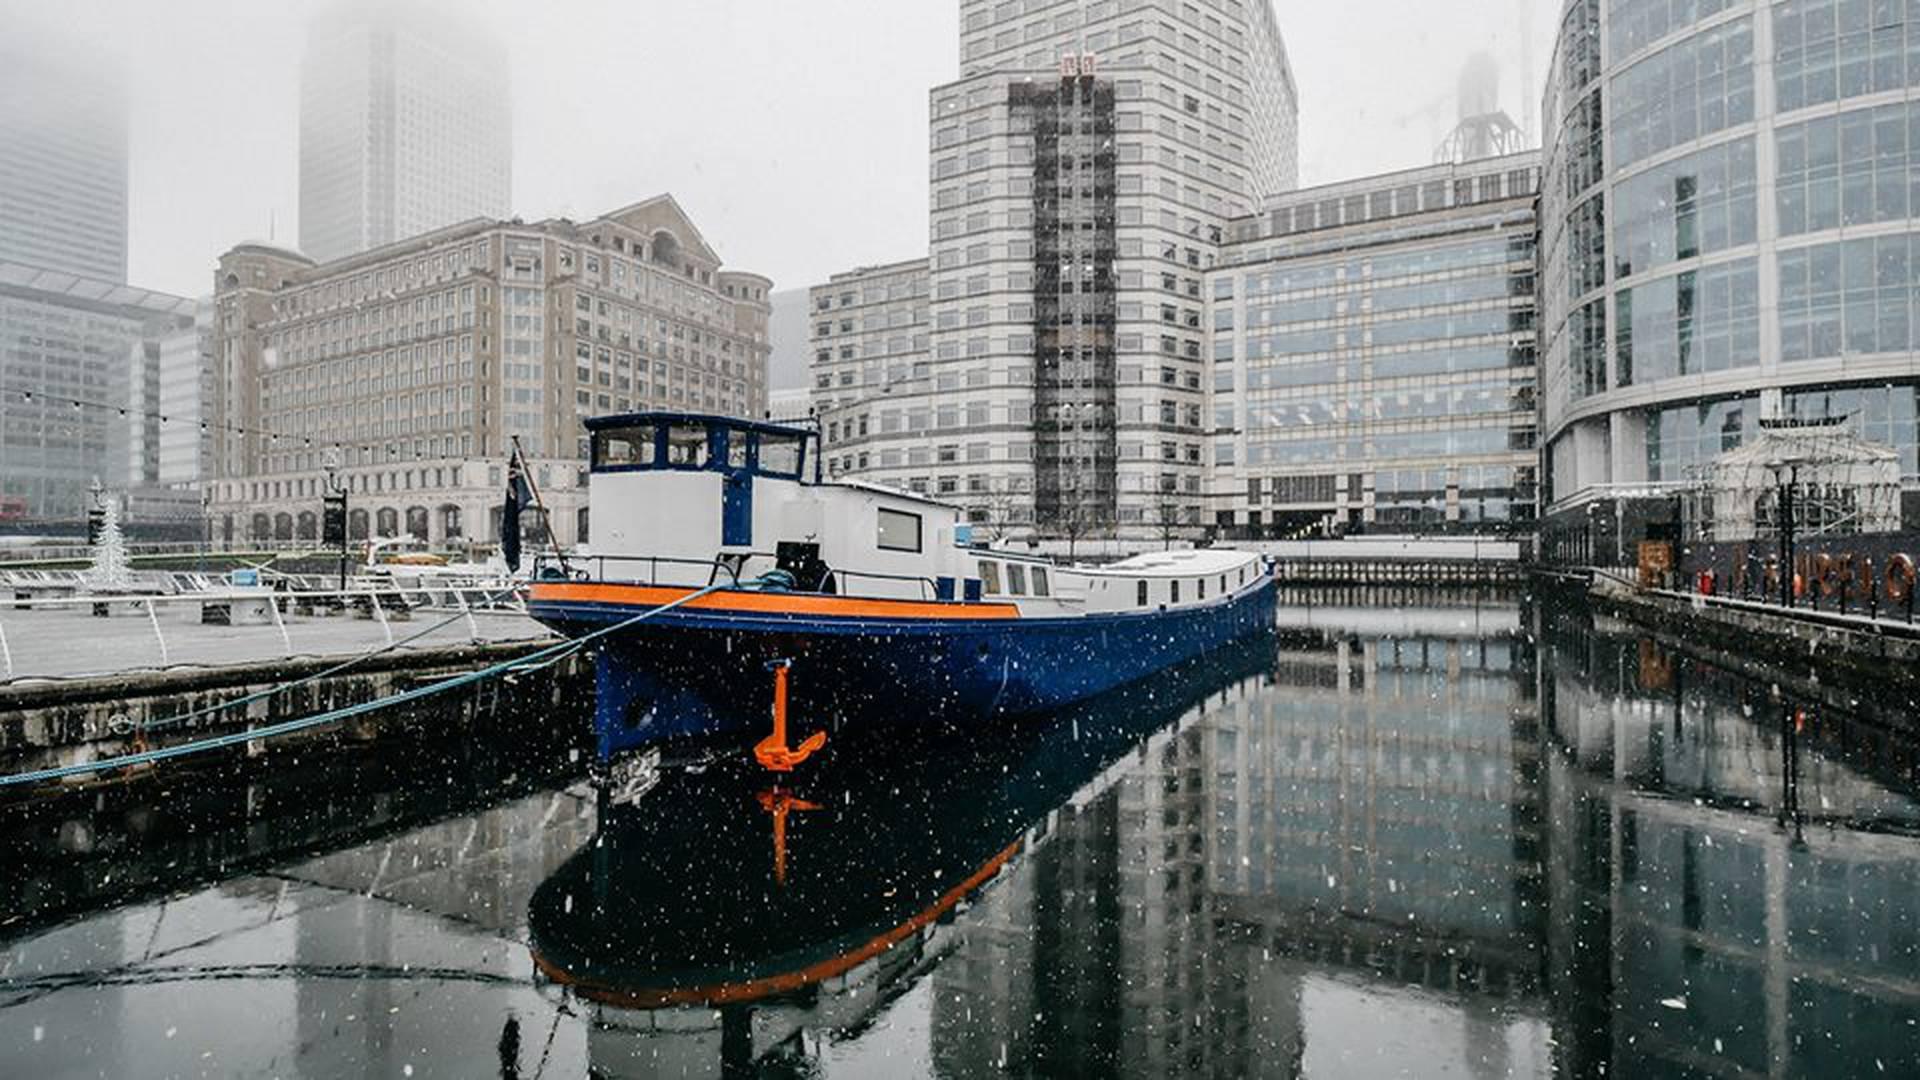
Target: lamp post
[
  {"x": 1783, "y": 500},
  {"x": 333, "y": 516}
]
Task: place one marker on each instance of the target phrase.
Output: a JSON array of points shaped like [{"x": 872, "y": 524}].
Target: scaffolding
[{"x": 1819, "y": 473}]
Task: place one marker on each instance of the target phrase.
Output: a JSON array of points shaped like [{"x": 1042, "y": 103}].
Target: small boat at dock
[{"x": 874, "y": 604}]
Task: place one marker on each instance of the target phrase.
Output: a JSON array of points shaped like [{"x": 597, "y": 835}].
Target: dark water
[{"x": 1466, "y": 837}]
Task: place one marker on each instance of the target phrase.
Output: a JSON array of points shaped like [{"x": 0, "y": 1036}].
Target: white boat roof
[
  {"x": 888, "y": 489},
  {"x": 1198, "y": 561}
]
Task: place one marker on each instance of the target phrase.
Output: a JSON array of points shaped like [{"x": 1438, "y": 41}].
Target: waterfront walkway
[{"x": 71, "y": 642}]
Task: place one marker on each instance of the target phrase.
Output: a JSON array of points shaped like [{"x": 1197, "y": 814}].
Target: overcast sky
[{"x": 793, "y": 131}]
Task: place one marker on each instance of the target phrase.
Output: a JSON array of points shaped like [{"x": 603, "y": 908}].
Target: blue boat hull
[{"x": 694, "y": 673}]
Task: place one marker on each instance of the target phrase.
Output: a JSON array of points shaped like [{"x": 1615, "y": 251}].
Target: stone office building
[{"x": 407, "y": 372}]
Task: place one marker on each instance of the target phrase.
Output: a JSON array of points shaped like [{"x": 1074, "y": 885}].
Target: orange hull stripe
[
  {"x": 754, "y": 989},
  {"x": 770, "y": 603}
]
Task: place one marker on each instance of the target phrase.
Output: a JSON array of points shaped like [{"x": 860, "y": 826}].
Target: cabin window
[
  {"x": 780, "y": 455},
  {"x": 736, "y": 449},
  {"x": 1243, "y": 575},
  {"x": 1223, "y": 584},
  {"x": 989, "y": 578},
  {"x": 623, "y": 448},
  {"x": 899, "y": 531},
  {"x": 1040, "y": 587},
  {"x": 687, "y": 446},
  {"x": 1141, "y": 598},
  {"x": 1174, "y": 585},
  {"x": 1200, "y": 587},
  {"x": 1016, "y": 579}
]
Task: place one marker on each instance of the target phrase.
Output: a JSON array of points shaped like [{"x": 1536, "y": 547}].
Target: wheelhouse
[{"x": 697, "y": 442}]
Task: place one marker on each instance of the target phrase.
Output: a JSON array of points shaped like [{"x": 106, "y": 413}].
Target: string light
[{"x": 393, "y": 452}]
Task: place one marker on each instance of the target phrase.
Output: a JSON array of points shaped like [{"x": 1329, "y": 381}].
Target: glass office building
[
  {"x": 1726, "y": 236},
  {"x": 1373, "y": 357}
]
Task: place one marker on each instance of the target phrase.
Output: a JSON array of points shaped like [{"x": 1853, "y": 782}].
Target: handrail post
[
  {"x": 380, "y": 613},
  {"x": 273, "y": 605},
  {"x": 152, "y": 619},
  {"x": 473, "y": 628}
]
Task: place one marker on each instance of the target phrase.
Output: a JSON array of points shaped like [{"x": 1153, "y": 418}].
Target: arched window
[
  {"x": 283, "y": 526},
  {"x": 386, "y": 522},
  {"x": 666, "y": 249},
  {"x": 450, "y": 525},
  {"x": 307, "y": 526},
  {"x": 417, "y": 522},
  {"x": 260, "y": 528},
  {"x": 356, "y": 524}
]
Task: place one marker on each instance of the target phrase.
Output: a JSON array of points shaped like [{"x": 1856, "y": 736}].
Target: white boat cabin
[{"x": 689, "y": 499}]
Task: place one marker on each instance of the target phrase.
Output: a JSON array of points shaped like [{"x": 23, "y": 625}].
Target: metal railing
[
  {"x": 731, "y": 566},
  {"x": 382, "y": 601},
  {"x": 1761, "y": 592}
]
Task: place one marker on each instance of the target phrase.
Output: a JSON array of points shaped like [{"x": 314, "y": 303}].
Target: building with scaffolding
[
  {"x": 1084, "y": 169},
  {"x": 1730, "y": 240}
]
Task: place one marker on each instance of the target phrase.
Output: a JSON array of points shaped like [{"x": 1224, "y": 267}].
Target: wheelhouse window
[
  {"x": 989, "y": 578},
  {"x": 736, "y": 449},
  {"x": 780, "y": 454},
  {"x": 1016, "y": 579},
  {"x": 623, "y": 447},
  {"x": 687, "y": 446},
  {"x": 899, "y": 531},
  {"x": 1040, "y": 586}
]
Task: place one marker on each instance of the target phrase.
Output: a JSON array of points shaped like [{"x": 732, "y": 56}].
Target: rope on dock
[{"x": 532, "y": 661}]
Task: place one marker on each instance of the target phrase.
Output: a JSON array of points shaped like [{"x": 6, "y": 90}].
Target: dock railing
[{"x": 53, "y": 633}]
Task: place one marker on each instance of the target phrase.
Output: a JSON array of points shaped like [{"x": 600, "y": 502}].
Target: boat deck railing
[{"x": 731, "y": 568}]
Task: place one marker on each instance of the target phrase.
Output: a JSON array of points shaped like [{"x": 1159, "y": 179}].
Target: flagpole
[{"x": 545, "y": 518}]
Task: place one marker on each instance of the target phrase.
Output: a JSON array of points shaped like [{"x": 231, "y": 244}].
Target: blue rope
[{"x": 531, "y": 662}]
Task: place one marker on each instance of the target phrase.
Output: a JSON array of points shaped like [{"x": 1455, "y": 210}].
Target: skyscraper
[
  {"x": 63, "y": 157},
  {"x": 405, "y": 127},
  {"x": 1084, "y": 168}
]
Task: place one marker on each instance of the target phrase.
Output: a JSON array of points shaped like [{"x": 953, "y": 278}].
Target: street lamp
[
  {"x": 333, "y": 516},
  {"x": 1783, "y": 504}
]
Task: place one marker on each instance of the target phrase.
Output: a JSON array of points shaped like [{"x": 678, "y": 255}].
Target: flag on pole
[{"x": 519, "y": 497}]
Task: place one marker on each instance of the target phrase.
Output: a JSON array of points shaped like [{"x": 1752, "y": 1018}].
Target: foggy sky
[{"x": 793, "y": 131}]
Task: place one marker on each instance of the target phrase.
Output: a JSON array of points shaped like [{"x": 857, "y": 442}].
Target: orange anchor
[
  {"x": 778, "y": 802},
  {"x": 772, "y": 752}
]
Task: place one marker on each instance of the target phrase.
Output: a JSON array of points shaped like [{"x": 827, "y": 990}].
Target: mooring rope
[
  {"x": 532, "y": 661},
  {"x": 328, "y": 672}
]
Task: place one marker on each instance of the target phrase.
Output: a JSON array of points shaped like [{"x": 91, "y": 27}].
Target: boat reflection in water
[{"x": 721, "y": 888}]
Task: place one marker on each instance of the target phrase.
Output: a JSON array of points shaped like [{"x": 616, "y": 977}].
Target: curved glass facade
[{"x": 1726, "y": 233}]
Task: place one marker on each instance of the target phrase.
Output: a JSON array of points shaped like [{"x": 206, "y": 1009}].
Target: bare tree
[
  {"x": 1000, "y": 510},
  {"x": 1170, "y": 517},
  {"x": 1075, "y": 521}
]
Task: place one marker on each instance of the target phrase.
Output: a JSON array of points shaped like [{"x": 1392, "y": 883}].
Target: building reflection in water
[
  {"x": 1734, "y": 875},
  {"x": 1351, "y": 837}
]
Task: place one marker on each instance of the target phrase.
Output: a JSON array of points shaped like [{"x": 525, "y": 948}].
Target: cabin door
[{"x": 736, "y": 510}]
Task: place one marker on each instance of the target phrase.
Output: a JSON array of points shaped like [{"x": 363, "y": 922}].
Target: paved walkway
[{"x": 70, "y": 642}]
